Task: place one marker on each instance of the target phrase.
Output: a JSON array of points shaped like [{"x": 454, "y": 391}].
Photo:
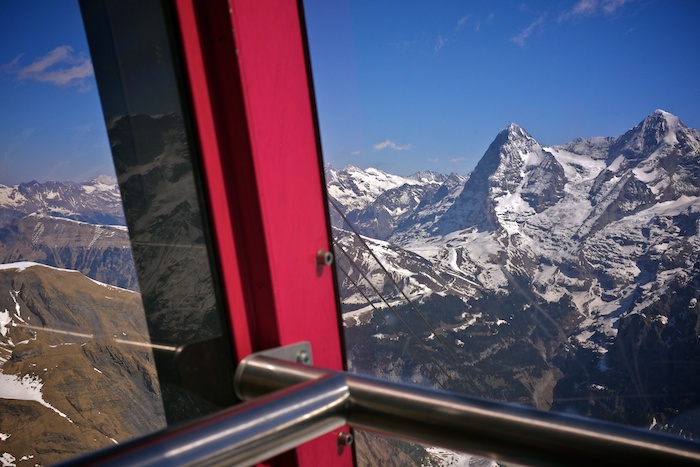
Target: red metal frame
[{"x": 253, "y": 112}]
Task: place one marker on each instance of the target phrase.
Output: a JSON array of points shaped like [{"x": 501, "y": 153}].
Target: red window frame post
[{"x": 252, "y": 104}]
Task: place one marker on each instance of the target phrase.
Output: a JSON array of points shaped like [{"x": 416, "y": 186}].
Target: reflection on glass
[
  {"x": 476, "y": 257},
  {"x": 77, "y": 371},
  {"x": 136, "y": 70}
]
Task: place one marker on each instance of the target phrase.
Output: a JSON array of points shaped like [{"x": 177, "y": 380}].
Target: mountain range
[
  {"x": 68, "y": 225},
  {"x": 96, "y": 202},
  {"x": 77, "y": 367},
  {"x": 564, "y": 277}
]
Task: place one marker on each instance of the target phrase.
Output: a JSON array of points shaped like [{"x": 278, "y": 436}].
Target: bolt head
[
  {"x": 324, "y": 258},
  {"x": 345, "y": 439},
  {"x": 303, "y": 357}
]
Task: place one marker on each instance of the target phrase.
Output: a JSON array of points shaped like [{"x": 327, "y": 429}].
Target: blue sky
[
  {"x": 51, "y": 124},
  {"x": 400, "y": 85},
  {"x": 406, "y": 85}
]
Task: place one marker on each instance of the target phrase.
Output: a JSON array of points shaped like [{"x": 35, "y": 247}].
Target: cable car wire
[
  {"x": 391, "y": 326},
  {"x": 460, "y": 365},
  {"x": 395, "y": 313}
]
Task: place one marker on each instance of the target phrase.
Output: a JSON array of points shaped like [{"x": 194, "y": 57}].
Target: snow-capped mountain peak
[
  {"x": 355, "y": 188},
  {"x": 516, "y": 130},
  {"x": 518, "y": 149},
  {"x": 579, "y": 256},
  {"x": 658, "y": 129},
  {"x": 515, "y": 174}
]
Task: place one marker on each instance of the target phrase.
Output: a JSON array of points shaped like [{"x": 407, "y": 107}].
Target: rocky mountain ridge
[
  {"x": 567, "y": 247},
  {"x": 71, "y": 380},
  {"x": 95, "y": 202},
  {"x": 380, "y": 204},
  {"x": 69, "y": 225},
  {"x": 101, "y": 252}
]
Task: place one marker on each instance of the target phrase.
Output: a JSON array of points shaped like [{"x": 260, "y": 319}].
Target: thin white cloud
[
  {"x": 528, "y": 31},
  {"x": 440, "y": 43},
  {"x": 433, "y": 160},
  {"x": 389, "y": 144},
  {"x": 462, "y": 22},
  {"x": 357, "y": 152},
  {"x": 611, "y": 6},
  {"x": 477, "y": 26},
  {"x": 62, "y": 67},
  {"x": 587, "y": 8},
  {"x": 457, "y": 160}
]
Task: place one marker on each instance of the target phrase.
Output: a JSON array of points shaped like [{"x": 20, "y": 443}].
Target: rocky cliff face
[
  {"x": 101, "y": 252},
  {"x": 154, "y": 162}
]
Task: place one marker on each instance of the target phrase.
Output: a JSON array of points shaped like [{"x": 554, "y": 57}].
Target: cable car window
[
  {"x": 109, "y": 317},
  {"x": 76, "y": 368},
  {"x": 134, "y": 50},
  {"x": 514, "y": 202}
]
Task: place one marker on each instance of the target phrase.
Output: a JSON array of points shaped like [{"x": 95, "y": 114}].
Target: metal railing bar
[
  {"x": 241, "y": 436},
  {"x": 295, "y": 403},
  {"x": 503, "y": 432}
]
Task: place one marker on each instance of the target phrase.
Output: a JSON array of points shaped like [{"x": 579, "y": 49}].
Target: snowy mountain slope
[
  {"x": 97, "y": 201},
  {"x": 579, "y": 238},
  {"x": 363, "y": 277},
  {"x": 379, "y": 204},
  {"x": 354, "y": 188}
]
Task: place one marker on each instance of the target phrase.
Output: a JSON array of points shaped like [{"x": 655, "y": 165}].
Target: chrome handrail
[
  {"x": 241, "y": 436},
  {"x": 294, "y": 403},
  {"x": 503, "y": 432}
]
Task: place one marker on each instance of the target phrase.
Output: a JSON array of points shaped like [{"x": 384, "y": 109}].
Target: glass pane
[
  {"x": 550, "y": 262},
  {"x": 76, "y": 368},
  {"x": 110, "y": 323},
  {"x": 136, "y": 65}
]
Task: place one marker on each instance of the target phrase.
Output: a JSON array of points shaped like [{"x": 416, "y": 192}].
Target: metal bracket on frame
[{"x": 299, "y": 352}]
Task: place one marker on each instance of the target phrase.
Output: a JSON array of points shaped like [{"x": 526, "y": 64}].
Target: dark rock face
[
  {"x": 545, "y": 184},
  {"x": 472, "y": 208},
  {"x": 171, "y": 256},
  {"x": 100, "y": 252},
  {"x": 165, "y": 226}
]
